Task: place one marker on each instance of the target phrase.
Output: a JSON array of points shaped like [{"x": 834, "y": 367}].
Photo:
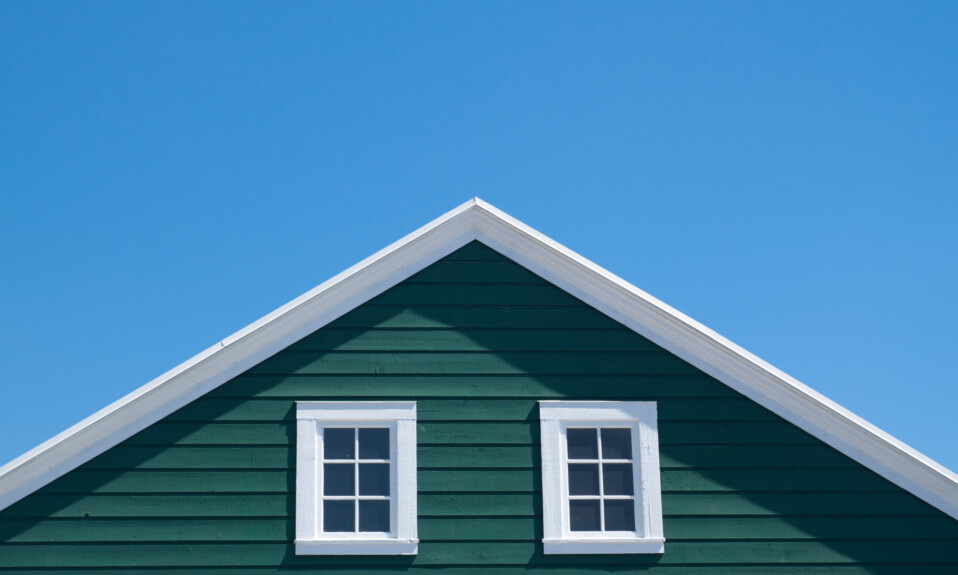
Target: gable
[
  {"x": 476, "y": 341},
  {"x": 476, "y": 220}
]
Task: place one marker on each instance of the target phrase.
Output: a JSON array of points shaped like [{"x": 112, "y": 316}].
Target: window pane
[
  {"x": 339, "y": 479},
  {"x": 339, "y": 516},
  {"x": 339, "y": 443},
  {"x": 617, "y": 443},
  {"x": 620, "y": 515},
  {"x": 373, "y": 479},
  {"x": 584, "y": 515},
  {"x": 374, "y": 516},
  {"x": 583, "y": 479},
  {"x": 617, "y": 478},
  {"x": 583, "y": 443},
  {"x": 373, "y": 443}
]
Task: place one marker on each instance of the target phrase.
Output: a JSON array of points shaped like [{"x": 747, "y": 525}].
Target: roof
[{"x": 477, "y": 220}]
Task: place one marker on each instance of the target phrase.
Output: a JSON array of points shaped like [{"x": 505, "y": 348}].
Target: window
[
  {"x": 600, "y": 477},
  {"x": 356, "y": 478}
]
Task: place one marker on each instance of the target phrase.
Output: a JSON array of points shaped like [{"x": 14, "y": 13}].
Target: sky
[{"x": 784, "y": 173}]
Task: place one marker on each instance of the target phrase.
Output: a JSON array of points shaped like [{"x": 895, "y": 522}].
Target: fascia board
[
  {"x": 477, "y": 220},
  {"x": 722, "y": 359}
]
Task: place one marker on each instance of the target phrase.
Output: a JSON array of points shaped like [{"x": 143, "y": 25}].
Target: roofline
[{"x": 597, "y": 287}]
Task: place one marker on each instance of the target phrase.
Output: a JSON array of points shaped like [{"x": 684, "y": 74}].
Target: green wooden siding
[{"x": 476, "y": 340}]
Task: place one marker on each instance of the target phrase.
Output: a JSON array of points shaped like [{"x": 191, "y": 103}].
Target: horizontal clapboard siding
[
  {"x": 455, "y": 504},
  {"x": 467, "y": 480},
  {"x": 480, "y": 528},
  {"x": 445, "y": 433},
  {"x": 514, "y": 409},
  {"x": 476, "y": 341},
  {"x": 456, "y": 553},
  {"x": 343, "y": 386},
  {"x": 472, "y": 340}
]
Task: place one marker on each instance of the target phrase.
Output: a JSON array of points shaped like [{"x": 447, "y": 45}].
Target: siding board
[
  {"x": 464, "y": 553},
  {"x": 272, "y": 410},
  {"x": 473, "y": 340},
  {"x": 129, "y": 481},
  {"x": 438, "y": 529},
  {"x": 452, "y": 504},
  {"x": 504, "y": 363},
  {"x": 499, "y": 317},
  {"x": 459, "y": 294},
  {"x": 446, "y": 433},
  {"x": 451, "y": 271},
  {"x": 433, "y": 410},
  {"x": 444, "y": 479},
  {"x": 551, "y": 386}
]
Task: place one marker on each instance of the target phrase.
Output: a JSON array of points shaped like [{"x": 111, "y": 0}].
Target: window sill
[
  {"x": 597, "y": 546},
  {"x": 359, "y": 547}
]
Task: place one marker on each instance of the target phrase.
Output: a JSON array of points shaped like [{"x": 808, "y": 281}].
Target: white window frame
[
  {"x": 555, "y": 418},
  {"x": 400, "y": 418}
]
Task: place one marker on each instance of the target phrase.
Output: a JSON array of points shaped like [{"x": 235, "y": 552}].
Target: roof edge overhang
[{"x": 477, "y": 220}]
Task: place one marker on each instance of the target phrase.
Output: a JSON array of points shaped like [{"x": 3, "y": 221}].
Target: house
[{"x": 476, "y": 398}]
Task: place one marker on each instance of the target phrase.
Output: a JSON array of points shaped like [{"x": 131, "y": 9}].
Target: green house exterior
[{"x": 476, "y": 340}]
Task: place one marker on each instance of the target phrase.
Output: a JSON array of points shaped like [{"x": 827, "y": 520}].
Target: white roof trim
[{"x": 477, "y": 220}]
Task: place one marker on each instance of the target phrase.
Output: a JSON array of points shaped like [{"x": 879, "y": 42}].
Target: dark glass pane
[
  {"x": 617, "y": 444},
  {"x": 374, "y": 516},
  {"x": 373, "y": 479},
  {"x": 584, "y": 515},
  {"x": 583, "y": 443},
  {"x": 617, "y": 478},
  {"x": 339, "y": 479},
  {"x": 583, "y": 479},
  {"x": 339, "y": 443},
  {"x": 339, "y": 516},
  {"x": 620, "y": 515},
  {"x": 373, "y": 443}
]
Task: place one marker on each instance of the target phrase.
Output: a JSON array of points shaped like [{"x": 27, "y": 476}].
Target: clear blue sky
[{"x": 785, "y": 173}]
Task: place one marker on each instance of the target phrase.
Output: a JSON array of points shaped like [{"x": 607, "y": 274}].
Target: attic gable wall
[{"x": 476, "y": 340}]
